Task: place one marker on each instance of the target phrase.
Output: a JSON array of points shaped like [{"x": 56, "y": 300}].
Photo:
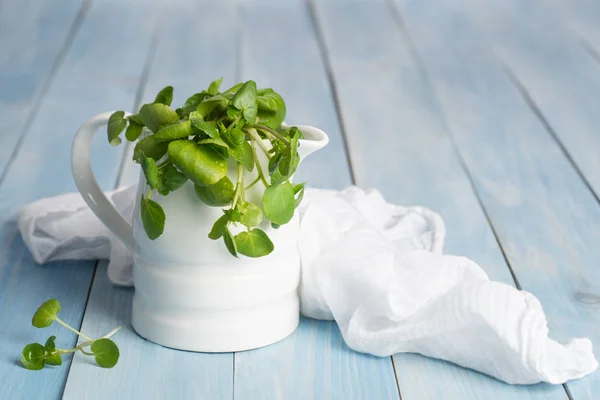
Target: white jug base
[{"x": 216, "y": 331}]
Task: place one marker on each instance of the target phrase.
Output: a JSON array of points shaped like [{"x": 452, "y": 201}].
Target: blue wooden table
[{"x": 488, "y": 112}]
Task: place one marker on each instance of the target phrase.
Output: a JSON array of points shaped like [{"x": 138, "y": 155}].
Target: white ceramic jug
[{"x": 190, "y": 293}]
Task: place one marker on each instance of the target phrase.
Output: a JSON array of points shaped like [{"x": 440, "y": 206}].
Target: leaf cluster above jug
[{"x": 196, "y": 141}]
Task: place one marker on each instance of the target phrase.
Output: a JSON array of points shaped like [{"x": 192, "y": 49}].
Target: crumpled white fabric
[{"x": 375, "y": 268}]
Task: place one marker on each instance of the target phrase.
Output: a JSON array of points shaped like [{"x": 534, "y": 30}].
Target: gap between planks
[
  {"x": 37, "y": 102},
  {"x": 338, "y": 110},
  {"x": 136, "y": 104},
  {"x": 397, "y": 16},
  {"x": 540, "y": 116},
  {"x": 332, "y": 85}
]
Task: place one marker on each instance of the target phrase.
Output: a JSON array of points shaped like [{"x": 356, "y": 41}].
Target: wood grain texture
[
  {"x": 559, "y": 75},
  {"x": 314, "y": 363},
  {"x": 284, "y": 54},
  {"x": 82, "y": 87},
  {"x": 186, "y": 59},
  {"x": 545, "y": 216},
  {"x": 31, "y": 39},
  {"x": 401, "y": 123},
  {"x": 147, "y": 370},
  {"x": 579, "y": 16},
  {"x": 399, "y": 144}
]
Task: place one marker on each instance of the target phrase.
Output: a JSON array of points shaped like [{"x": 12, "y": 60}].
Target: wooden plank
[
  {"x": 285, "y": 55},
  {"x": 546, "y": 218},
  {"x": 147, "y": 370},
  {"x": 31, "y": 39},
  {"x": 559, "y": 75},
  {"x": 314, "y": 362},
  {"x": 399, "y": 144},
  {"x": 581, "y": 17},
  {"x": 87, "y": 83}
]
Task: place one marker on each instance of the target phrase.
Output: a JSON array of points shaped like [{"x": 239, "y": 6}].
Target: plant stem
[
  {"x": 254, "y": 182},
  {"x": 271, "y": 132},
  {"x": 254, "y": 135},
  {"x": 239, "y": 185},
  {"x": 63, "y": 351},
  {"x": 85, "y": 352},
  {"x": 112, "y": 332},
  {"x": 71, "y": 329},
  {"x": 234, "y": 122},
  {"x": 84, "y": 344},
  {"x": 261, "y": 176},
  {"x": 163, "y": 164},
  {"x": 149, "y": 193}
]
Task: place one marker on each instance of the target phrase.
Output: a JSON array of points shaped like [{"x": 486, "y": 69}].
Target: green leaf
[
  {"x": 134, "y": 118},
  {"x": 116, "y": 124},
  {"x": 291, "y": 132},
  {"x": 52, "y": 358},
  {"x": 192, "y": 102},
  {"x": 214, "y": 86},
  {"x": 150, "y": 170},
  {"x": 207, "y": 106},
  {"x": 105, "y": 352},
  {"x": 271, "y": 108},
  {"x": 50, "y": 345},
  {"x": 243, "y": 155},
  {"x": 203, "y": 126},
  {"x": 179, "y": 130},
  {"x": 277, "y": 178},
  {"x": 245, "y": 100},
  {"x": 269, "y": 100},
  {"x": 133, "y": 131},
  {"x": 150, "y": 148},
  {"x": 230, "y": 242},
  {"x": 233, "y": 113},
  {"x": 299, "y": 194},
  {"x": 46, "y": 313},
  {"x": 234, "y": 215},
  {"x": 155, "y": 116},
  {"x": 255, "y": 243},
  {"x": 232, "y": 90},
  {"x": 218, "y": 145},
  {"x": 251, "y": 214},
  {"x": 165, "y": 96},
  {"x": 172, "y": 178},
  {"x": 218, "y": 194},
  {"x": 291, "y": 159},
  {"x": 278, "y": 203},
  {"x": 32, "y": 356},
  {"x": 235, "y": 137},
  {"x": 153, "y": 218},
  {"x": 201, "y": 164},
  {"x": 219, "y": 227},
  {"x": 274, "y": 163}
]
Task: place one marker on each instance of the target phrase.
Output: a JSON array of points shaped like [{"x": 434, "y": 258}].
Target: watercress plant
[
  {"x": 195, "y": 142},
  {"x": 35, "y": 355}
]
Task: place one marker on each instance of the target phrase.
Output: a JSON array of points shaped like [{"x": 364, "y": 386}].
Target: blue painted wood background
[{"x": 487, "y": 112}]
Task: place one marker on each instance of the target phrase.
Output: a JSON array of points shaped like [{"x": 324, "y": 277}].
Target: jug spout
[{"x": 314, "y": 139}]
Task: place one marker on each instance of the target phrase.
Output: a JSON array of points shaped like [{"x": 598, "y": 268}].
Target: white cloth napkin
[{"x": 374, "y": 268}]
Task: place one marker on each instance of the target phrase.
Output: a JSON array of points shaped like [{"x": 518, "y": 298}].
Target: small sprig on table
[
  {"x": 195, "y": 142},
  {"x": 35, "y": 355}
]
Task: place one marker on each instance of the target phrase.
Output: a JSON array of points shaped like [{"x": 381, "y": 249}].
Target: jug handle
[{"x": 88, "y": 186}]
